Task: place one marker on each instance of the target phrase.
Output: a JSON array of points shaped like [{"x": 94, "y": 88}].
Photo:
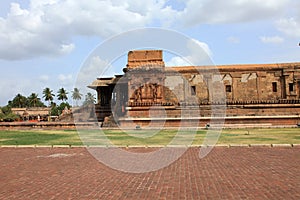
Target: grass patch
[
  {"x": 33, "y": 137},
  {"x": 260, "y": 136},
  {"x": 149, "y": 137},
  {"x": 132, "y": 137}
]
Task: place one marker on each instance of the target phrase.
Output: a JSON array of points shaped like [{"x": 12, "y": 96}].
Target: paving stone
[{"x": 226, "y": 173}]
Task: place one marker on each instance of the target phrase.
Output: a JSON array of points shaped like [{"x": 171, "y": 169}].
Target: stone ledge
[
  {"x": 282, "y": 145},
  {"x": 239, "y": 145},
  {"x": 152, "y": 146},
  {"x": 260, "y": 145}
]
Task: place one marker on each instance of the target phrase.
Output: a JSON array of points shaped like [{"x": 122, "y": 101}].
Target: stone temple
[{"x": 151, "y": 93}]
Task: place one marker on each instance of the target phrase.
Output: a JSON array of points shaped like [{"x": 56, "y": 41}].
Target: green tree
[
  {"x": 6, "y": 109},
  {"x": 56, "y": 110},
  {"x": 7, "y": 115},
  {"x": 48, "y": 95},
  {"x": 11, "y": 117},
  {"x": 35, "y": 101},
  {"x": 76, "y": 95},
  {"x": 2, "y": 115},
  {"x": 89, "y": 99},
  {"x": 62, "y": 94},
  {"x": 19, "y": 101}
]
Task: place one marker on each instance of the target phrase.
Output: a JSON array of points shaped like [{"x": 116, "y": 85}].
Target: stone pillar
[
  {"x": 236, "y": 77},
  {"x": 99, "y": 95},
  {"x": 208, "y": 80},
  {"x": 298, "y": 86},
  {"x": 258, "y": 86}
]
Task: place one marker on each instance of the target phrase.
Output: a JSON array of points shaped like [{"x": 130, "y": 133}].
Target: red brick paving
[{"x": 226, "y": 173}]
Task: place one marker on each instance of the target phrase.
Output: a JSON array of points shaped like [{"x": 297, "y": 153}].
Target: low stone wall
[
  {"x": 227, "y": 122},
  {"x": 238, "y": 110},
  {"x": 47, "y": 125},
  {"x": 201, "y": 122}
]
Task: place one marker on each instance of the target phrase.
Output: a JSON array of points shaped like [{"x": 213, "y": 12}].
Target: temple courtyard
[{"x": 255, "y": 172}]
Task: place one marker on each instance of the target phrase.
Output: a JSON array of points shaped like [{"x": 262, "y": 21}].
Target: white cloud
[
  {"x": 220, "y": 11},
  {"x": 65, "y": 80},
  {"x": 199, "y": 54},
  {"x": 25, "y": 87},
  {"x": 289, "y": 26},
  {"x": 44, "y": 78},
  {"x": 272, "y": 40},
  {"x": 177, "y": 61},
  {"x": 93, "y": 68},
  {"x": 47, "y": 27},
  {"x": 9, "y": 94},
  {"x": 67, "y": 48}
]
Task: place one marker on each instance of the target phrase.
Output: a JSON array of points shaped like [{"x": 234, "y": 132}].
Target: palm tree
[
  {"x": 76, "y": 95},
  {"x": 19, "y": 101},
  {"x": 33, "y": 99},
  {"x": 62, "y": 94},
  {"x": 89, "y": 99},
  {"x": 48, "y": 95}
]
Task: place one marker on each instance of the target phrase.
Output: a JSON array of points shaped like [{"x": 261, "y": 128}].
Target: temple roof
[
  {"x": 31, "y": 111},
  {"x": 102, "y": 82},
  {"x": 236, "y": 67}
]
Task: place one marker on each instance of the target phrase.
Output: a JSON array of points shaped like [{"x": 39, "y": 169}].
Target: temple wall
[
  {"x": 174, "y": 88},
  {"x": 241, "y": 86},
  {"x": 230, "y": 122},
  {"x": 192, "y": 91},
  {"x": 263, "y": 109}
]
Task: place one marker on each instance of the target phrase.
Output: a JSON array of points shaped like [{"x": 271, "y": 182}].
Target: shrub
[{"x": 11, "y": 117}]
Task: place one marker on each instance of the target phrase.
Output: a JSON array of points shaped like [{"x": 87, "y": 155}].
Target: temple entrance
[
  {"x": 119, "y": 100},
  {"x": 105, "y": 96}
]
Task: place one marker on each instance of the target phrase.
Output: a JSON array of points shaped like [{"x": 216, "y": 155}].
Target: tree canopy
[
  {"x": 76, "y": 95},
  {"x": 34, "y": 101},
  {"x": 48, "y": 95},
  {"x": 89, "y": 99},
  {"x": 20, "y": 101},
  {"x": 62, "y": 94}
]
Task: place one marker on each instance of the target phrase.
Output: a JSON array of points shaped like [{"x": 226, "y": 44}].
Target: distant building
[
  {"x": 252, "y": 92},
  {"x": 35, "y": 114}
]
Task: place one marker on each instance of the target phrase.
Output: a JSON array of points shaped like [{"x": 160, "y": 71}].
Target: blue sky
[{"x": 44, "y": 43}]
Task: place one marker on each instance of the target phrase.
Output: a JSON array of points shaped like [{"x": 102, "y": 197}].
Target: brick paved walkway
[{"x": 226, "y": 173}]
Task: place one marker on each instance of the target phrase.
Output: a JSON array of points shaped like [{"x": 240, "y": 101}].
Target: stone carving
[
  {"x": 154, "y": 92},
  {"x": 138, "y": 95}
]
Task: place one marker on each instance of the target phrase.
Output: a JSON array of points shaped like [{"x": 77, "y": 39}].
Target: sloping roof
[
  {"x": 236, "y": 67},
  {"x": 31, "y": 111},
  {"x": 102, "y": 82}
]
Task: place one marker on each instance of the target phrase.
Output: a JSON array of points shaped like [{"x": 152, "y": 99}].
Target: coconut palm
[
  {"x": 48, "y": 95},
  {"x": 33, "y": 100},
  {"x": 76, "y": 95},
  {"x": 62, "y": 94},
  {"x": 19, "y": 101},
  {"x": 89, "y": 99}
]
